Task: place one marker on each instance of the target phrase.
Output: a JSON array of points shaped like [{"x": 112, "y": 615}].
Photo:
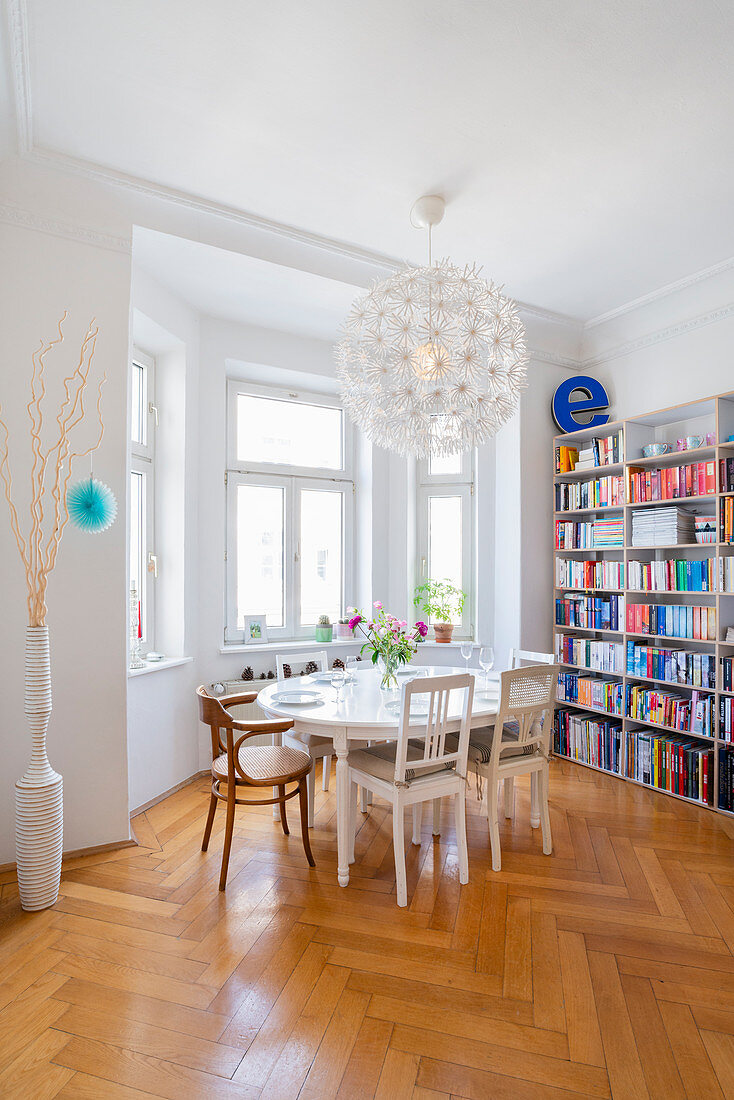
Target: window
[
  {"x": 289, "y": 507},
  {"x": 142, "y": 491},
  {"x": 446, "y": 527}
]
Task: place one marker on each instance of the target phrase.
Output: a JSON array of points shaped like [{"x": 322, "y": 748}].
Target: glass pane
[
  {"x": 321, "y": 555},
  {"x": 446, "y": 464},
  {"x": 444, "y": 540},
  {"x": 137, "y": 539},
  {"x": 260, "y": 533},
  {"x": 288, "y": 433},
  {"x": 137, "y": 412}
]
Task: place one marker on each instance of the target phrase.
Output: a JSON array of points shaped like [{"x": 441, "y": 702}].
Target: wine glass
[
  {"x": 466, "y": 648},
  {"x": 352, "y": 666},
  {"x": 338, "y": 678},
  {"x": 486, "y": 660}
]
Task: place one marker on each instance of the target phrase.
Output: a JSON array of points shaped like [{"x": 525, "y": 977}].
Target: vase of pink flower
[{"x": 389, "y": 641}]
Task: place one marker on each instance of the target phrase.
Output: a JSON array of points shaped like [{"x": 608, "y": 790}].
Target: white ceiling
[
  {"x": 586, "y": 149},
  {"x": 242, "y": 288}
]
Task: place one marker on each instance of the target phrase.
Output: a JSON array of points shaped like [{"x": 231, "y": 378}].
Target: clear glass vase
[{"x": 388, "y": 666}]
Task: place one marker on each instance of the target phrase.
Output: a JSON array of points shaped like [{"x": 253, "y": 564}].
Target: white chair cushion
[
  {"x": 379, "y": 760},
  {"x": 480, "y": 744}
]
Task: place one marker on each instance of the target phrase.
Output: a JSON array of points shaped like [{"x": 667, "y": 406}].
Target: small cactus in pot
[
  {"x": 324, "y": 629},
  {"x": 344, "y": 632}
]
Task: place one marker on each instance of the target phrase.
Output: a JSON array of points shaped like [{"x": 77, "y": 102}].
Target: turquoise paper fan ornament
[{"x": 92, "y": 506}]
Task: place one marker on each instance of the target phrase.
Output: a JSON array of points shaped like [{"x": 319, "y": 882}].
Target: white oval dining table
[{"x": 363, "y": 713}]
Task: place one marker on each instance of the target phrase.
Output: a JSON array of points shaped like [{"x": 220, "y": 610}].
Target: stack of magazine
[{"x": 662, "y": 527}]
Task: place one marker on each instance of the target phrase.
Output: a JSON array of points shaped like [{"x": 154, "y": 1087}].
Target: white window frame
[
  {"x": 292, "y": 479},
  {"x": 142, "y": 461},
  {"x": 450, "y": 485}
]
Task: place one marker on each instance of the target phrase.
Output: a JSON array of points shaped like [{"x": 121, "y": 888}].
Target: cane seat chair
[
  {"x": 519, "y": 658},
  {"x": 518, "y": 744},
  {"x": 318, "y": 748},
  {"x": 239, "y": 765}
]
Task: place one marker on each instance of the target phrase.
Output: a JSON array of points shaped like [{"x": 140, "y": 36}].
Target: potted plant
[
  {"x": 388, "y": 641},
  {"x": 440, "y": 601},
  {"x": 324, "y": 629},
  {"x": 344, "y": 632}
]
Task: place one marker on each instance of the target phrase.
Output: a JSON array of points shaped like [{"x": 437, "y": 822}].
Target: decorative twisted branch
[{"x": 51, "y": 469}]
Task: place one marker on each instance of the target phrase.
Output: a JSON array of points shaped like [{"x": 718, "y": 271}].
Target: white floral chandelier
[{"x": 433, "y": 358}]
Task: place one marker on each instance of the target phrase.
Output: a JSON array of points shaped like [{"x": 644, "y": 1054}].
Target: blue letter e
[{"x": 565, "y": 409}]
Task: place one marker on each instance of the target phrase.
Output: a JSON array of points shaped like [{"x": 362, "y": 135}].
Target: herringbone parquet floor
[{"x": 604, "y": 970}]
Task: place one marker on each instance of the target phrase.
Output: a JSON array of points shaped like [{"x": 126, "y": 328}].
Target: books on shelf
[
  {"x": 662, "y": 527},
  {"x": 727, "y": 672},
  {"x": 673, "y": 575},
  {"x": 673, "y": 620},
  {"x": 694, "y": 480},
  {"x": 601, "y": 451},
  {"x": 726, "y": 475},
  {"x": 727, "y": 519},
  {"x": 590, "y": 612},
  {"x": 598, "y": 492},
  {"x": 671, "y": 666},
  {"x": 589, "y": 653},
  {"x": 589, "y": 692},
  {"x": 726, "y": 718},
  {"x": 566, "y": 458},
  {"x": 726, "y": 780},
  {"x": 590, "y": 740},
  {"x": 726, "y": 574},
  {"x": 665, "y": 708},
  {"x": 589, "y": 574},
  {"x": 671, "y": 763},
  {"x": 596, "y": 535}
]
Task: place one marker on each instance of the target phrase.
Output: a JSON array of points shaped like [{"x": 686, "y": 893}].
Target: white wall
[{"x": 44, "y": 275}]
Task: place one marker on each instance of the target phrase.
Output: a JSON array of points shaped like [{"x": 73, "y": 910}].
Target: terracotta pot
[{"x": 443, "y": 631}]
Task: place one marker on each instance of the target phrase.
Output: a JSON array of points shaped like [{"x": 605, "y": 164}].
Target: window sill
[
  {"x": 158, "y": 666},
  {"x": 275, "y": 647},
  {"x": 311, "y": 643}
]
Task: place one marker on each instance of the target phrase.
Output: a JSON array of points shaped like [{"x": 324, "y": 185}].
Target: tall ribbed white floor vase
[{"x": 39, "y": 809}]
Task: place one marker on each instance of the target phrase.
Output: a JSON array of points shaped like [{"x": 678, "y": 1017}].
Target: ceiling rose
[{"x": 433, "y": 358}]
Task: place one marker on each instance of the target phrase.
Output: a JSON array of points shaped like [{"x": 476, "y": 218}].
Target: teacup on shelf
[{"x": 654, "y": 450}]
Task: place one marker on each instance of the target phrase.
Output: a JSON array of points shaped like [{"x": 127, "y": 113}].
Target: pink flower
[
  {"x": 378, "y": 605},
  {"x": 353, "y": 622},
  {"x": 403, "y": 622},
  {"x": 422, "y": 629},
  {"x": 370, "y": 625}
]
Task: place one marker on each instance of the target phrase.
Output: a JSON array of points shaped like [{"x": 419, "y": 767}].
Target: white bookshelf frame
[{"x": 696, "y": 417}]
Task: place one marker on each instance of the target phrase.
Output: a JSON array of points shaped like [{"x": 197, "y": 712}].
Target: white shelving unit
[{"x": 712, "y": 415}]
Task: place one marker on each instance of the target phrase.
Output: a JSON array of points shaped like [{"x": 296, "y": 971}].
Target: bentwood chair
[
  {"x": 318, "y": 748},
  {"x": 419, "y": 767},
  {"x": 518, "y": 745},
  {"x": 518, "y": 659},
  {"x": 237, "y": 765}
]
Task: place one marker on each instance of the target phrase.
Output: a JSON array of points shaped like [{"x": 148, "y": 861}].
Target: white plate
[
  {"x": 325, "y": 677},
  {"x": 413, "y": 672},
  {"x": 297, "y": 698}
]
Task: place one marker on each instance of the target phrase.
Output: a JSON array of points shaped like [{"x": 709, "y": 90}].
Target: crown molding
[
  {"x": 17, "y": 23},
  {"x": 27, "y": 219},
  {"x": 658, "y": 337},
  {"x": 539, "y": 355},
  {"x": 662, "y": 292}
]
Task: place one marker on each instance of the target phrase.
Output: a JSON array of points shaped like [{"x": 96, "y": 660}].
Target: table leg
[{"x": 342, "y": 805}]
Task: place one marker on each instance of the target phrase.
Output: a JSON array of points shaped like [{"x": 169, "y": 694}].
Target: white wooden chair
[
  {"x": 518, "y": 745},
  {"x": 519, "y": 658},
  {"x": 419, "y": 767},
  {"x": 318, "y": 748}
]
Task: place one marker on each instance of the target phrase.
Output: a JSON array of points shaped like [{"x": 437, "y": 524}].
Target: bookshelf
[{"x": 601, "y": 574}]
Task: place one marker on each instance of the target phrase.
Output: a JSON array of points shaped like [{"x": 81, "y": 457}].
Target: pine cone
[
  {"x": 271, "y": 674},
  {"x": 248, "y": 674},
  {"x": 287, "y": 672},
  {"x": 338, "y": 663},
  {"x": 311, "y": 667}
]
